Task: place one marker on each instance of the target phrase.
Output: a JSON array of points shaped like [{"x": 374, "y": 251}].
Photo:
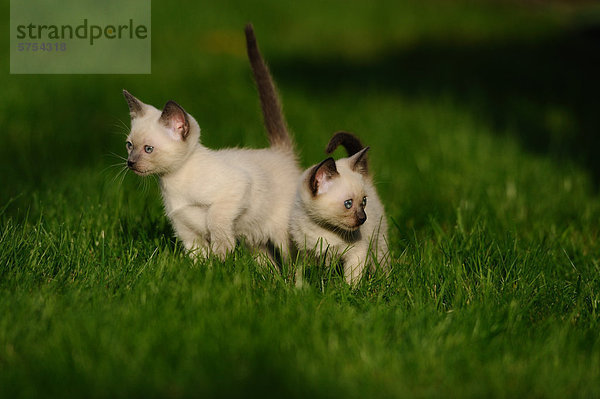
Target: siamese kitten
[
  {"x": 214, "y": 197},
  {"x": 337, "y": 212}
]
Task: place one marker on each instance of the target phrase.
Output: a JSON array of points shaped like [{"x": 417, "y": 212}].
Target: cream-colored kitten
[
  {"x": 214, "y": 197},
  {"x": 338, "y": 213}
]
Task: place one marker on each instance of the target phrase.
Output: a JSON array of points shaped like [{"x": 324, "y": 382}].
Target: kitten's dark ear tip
[
  {"x": 175, "y": 117},
  {"x": 360, "y": 161},
  {"x": 173, "y": 104},
  {"x": 325, "y": 169},
  {"x": 135, "y": 106}
]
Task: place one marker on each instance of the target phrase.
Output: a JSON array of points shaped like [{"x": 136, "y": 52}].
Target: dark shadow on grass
[
  {"x": 545, "y": 91},
  {"x": 148, "y": 229}
]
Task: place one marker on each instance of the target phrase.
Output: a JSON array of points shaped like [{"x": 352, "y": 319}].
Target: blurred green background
[
  {"x": 399, "y": 74},
  {"x": 482, "y": 119}
]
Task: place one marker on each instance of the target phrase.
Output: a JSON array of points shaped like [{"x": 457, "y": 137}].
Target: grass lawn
[{"x": 483, "y": 124}]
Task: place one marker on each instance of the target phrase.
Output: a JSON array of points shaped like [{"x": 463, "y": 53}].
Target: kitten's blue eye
[
  {"x": 348, "y": 203},
  {"x": 129, "y": 145},
  {"x": 148, "y": 149},
  {"x": 364, "y": 201}
]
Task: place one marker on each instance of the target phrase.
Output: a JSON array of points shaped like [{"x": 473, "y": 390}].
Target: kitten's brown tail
[
  {"x": 274, "y": 120},
  {"x": 350, "y": 142}
]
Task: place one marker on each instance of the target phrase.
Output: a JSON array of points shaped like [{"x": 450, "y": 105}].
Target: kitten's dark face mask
[
  {"x": 338, "y": 197},
  {"x": 361, "y": 217},
  {"x": 138, "y": 158},
  {"x": 356, "y": 215},
  {"x": 133, "y": 163}
]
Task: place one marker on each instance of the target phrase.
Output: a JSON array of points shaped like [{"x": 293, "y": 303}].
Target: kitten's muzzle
[
  {"x": 361, "y": 217},
  {"x": 133, "y": 165}
]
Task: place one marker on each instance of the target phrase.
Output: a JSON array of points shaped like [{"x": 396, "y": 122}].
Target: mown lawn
[{"x": 484, "y": 133}]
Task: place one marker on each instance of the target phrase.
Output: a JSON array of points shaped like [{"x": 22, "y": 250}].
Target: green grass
[{"x": 482, "y": 122}]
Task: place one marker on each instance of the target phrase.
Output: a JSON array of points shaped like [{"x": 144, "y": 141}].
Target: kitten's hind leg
[
  {"x": 379, "y": 249},
  {"x": 299, "y": 275},
  {"x": 264, "y": 256}
]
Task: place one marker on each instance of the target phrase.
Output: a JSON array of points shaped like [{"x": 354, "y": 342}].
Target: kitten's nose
[
  {"x": 361, "y": 217},
  {"x": 130, "y": 164}
]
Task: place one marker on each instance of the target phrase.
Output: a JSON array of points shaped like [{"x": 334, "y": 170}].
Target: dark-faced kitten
[{"x": 338, "y": 213}]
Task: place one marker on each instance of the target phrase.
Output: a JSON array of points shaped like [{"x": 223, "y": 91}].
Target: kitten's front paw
[
  {"x": 353, "y": 273},
  {"x": 198, "y": 253},
  {"x": 222, "y": 244},
  {"x": 221, "y": 251}
]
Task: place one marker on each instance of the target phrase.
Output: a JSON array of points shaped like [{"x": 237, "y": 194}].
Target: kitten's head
[
  {"x": 159, "y": 141},
  {"x": 334, "y": 193}
]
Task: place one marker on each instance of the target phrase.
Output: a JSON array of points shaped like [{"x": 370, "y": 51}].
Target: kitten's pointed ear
[
  {"x": 136, "y": 107},
  {"x": 358, "y": 162},
  {"x": 176, "y": 120},
  {"x": 321, "y": 176}
]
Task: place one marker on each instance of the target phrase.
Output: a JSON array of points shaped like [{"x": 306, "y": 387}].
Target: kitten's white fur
[
  {"x": 213, "y": 197},
  {"x": 321, "y": 224}
]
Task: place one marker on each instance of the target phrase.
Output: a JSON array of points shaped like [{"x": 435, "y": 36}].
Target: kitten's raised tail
[
  {"x": 274, "y": 120},
  {"x": 350, "y": 142}
]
